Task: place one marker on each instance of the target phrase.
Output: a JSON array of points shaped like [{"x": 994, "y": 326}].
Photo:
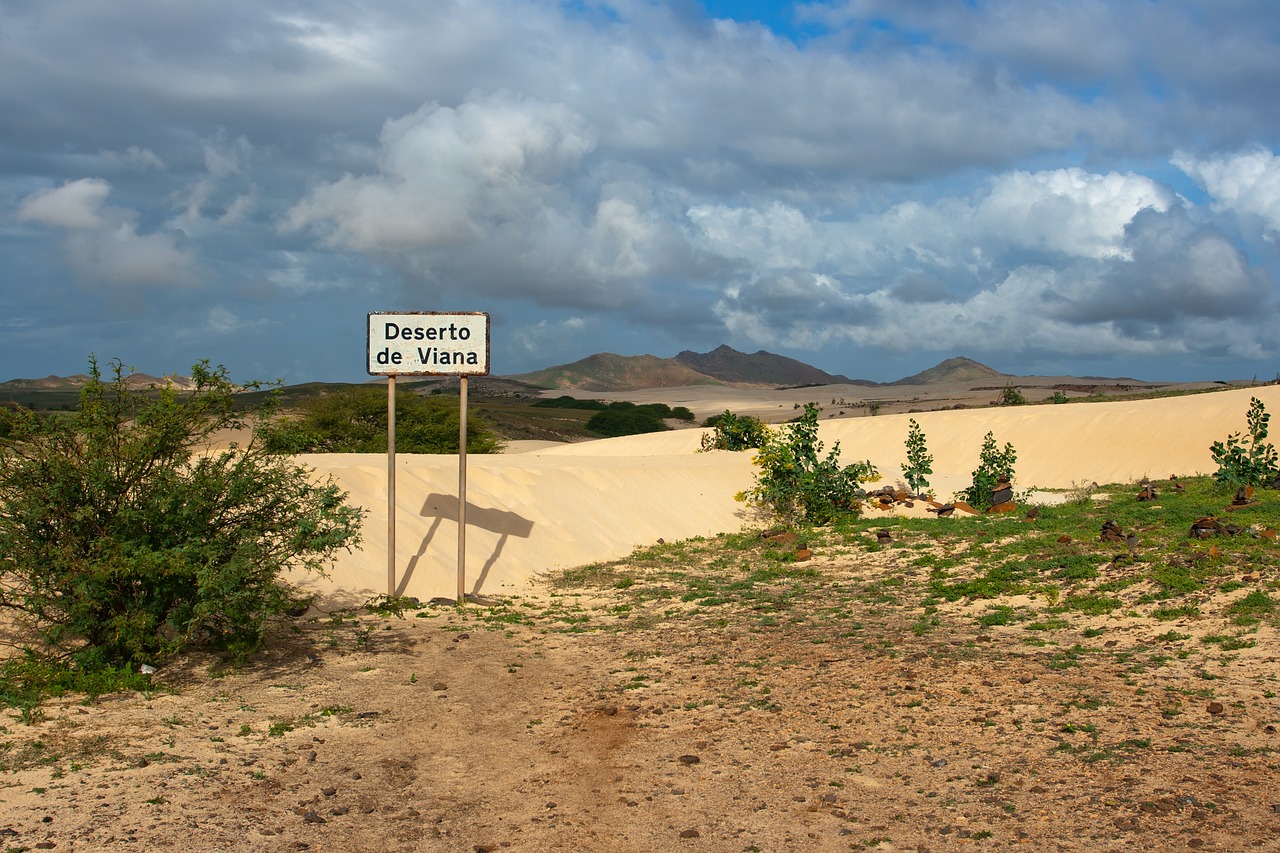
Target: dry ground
[{"x": 639, "y": 706}]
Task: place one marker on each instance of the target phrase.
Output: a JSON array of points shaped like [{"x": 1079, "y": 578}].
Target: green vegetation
[
  {"x": 919, "y": 460},
  {"x": 1250, "y": 461},
  {"x": 980, "y": 568},
  {"x": 800, "y": 486},
  {"x": 353, "y": 419},
  {"x": 1011, "y": 396},
  {"x": 123, "y": 543},
  {"x": 734, "y": 432},
  {"x": 994, "y": 465},
  {"x": 623, "y": 418},
  {"x": 566, "y": 402}
]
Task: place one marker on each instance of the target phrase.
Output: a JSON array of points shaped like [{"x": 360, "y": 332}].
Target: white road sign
[{"x": 428, "y": 343}]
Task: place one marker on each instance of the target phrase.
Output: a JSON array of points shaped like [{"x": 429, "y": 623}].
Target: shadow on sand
[{"x": 442, "y": 507}]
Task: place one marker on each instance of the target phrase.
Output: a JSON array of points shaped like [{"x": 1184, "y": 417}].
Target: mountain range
[
  {"x": 611, "y": 372},
  {"x": 725, "y": 366}
]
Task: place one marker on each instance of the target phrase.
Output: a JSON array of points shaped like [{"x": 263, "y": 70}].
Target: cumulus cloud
[
  {"x": 445, "y": 173},
  {"x": 102, "y": 243},
  {"x": 74, "y": 205},
  {"x": 1246, "y": 183},
  {"x": 1112, "y": 262},
  {"x": 985, "y": 177}
]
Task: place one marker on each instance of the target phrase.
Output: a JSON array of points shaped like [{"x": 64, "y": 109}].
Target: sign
[{"x": 428, "y": 343}]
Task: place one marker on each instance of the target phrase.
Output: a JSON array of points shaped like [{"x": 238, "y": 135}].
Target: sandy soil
[
  {"x": 565, "y": 506},
  {"x": 542, "y": 726},
  {"x": 561, "y": 720}
]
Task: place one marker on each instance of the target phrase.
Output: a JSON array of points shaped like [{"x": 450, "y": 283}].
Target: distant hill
[
  {"x": 79, "y": 380},
  {"x": 607, "y": 371},
  {"x": 725, "y": 366},
  {"x": 760, "y": 368},
  {"x": 958, "y": 369}
]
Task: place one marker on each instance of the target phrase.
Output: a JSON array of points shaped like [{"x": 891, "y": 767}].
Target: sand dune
[{"x": 556, "y": 507}]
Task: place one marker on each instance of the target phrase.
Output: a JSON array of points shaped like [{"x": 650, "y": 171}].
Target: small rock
[
  {"x": 439, "y": 686},
  {"x": 690, "y": 833},
  {"x": 329, "y": 792},
  {"x": 689, "y": 759},
  {"x": 1215, "y": 708},
  {"x": 312, "y": 817}
]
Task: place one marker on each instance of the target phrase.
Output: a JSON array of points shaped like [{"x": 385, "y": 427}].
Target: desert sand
[
  {"x": 553, "y": 507},
  {"x": 831, "y": 711}
]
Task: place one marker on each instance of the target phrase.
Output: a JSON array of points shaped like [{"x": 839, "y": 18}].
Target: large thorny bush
[{"x": 122, "y": 541}]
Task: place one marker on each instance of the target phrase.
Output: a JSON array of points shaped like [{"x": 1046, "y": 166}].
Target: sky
[{"x": 870, "y": 186}]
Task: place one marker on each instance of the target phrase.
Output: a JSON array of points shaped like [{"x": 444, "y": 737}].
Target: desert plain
[{"x": 586, "y": 702}]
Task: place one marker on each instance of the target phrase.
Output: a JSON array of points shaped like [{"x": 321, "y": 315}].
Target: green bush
[
  {"x": 734, "y": 432},
  {"x": 623, "y": 418},
  {"x": 919, "y": 460},
  {"x": 566, "y": 402},
  {"x": 124, "y": 542},
  {"x": 1247, "y": 461},
  {"x": 799, "y": 485},
  {"x": 993, "y": 466},
  {"x": 354, "y": 420},
  {"x": 1011, "y": 396}
]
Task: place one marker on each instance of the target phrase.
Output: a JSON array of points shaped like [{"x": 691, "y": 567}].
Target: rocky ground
[{"x": 633, "y": 707}]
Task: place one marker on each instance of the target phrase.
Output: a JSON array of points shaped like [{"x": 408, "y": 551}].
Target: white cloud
[
  {"x": 75, "y": 205},
  {"x": 103, "y": 243},
  {"x": 446, "y": 173},
  {"x": 1247, "y": 182}
]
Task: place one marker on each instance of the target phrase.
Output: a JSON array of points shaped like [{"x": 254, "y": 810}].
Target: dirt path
[{"x": 506, "y": 729}]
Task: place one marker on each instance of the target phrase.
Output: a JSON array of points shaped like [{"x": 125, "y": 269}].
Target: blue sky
[{"x": 1053, "y": 186}]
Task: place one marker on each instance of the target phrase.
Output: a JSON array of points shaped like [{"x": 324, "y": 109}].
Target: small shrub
[
  {"x": 1011, "y": 396},
  {"x": 798, "y": 484},
  {"x": 919, "y": 460},
  {"x": 734, "y": 432},
  {"x": 1250, "y": 461},
  {"x": 994, "y": 465}
]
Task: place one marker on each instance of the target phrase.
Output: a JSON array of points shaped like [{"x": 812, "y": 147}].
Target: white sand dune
[{"x": 556, "y": 507}]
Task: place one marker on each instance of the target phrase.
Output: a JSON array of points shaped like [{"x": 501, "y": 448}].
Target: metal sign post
[
  {"x": 462, "y": 490},
  {"x": 391, "y": 486},
  {"x": 427, "y": 343}
]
